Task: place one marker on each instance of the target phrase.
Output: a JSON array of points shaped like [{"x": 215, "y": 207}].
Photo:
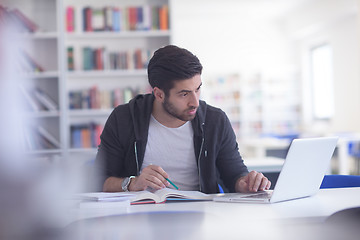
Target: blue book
[
  {"x": 140, "y": 18},
  {"x": 116, "y": 19}
]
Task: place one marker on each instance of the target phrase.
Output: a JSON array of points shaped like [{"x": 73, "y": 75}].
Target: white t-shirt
[{"x": 173, "y": 150}]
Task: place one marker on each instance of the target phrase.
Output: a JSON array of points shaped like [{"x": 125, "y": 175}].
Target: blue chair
[{"x": 340, "y": 181}]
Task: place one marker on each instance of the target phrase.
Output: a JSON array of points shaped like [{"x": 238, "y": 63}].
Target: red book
[
  {"x": 132, "y": 17},
  {"x": 99, "y": 61},
  {"x": 29, "y": 24},
  {"x": 138, "y": 59},
  {"x": 70, "y": 19},
  {"x": 87, "y": 18}
]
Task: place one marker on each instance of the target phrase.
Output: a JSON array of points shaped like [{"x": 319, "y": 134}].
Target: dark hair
[{"x": 171, "y": 63}]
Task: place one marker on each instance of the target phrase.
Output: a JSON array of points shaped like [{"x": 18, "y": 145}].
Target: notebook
[{"x": 304, "y": 168}]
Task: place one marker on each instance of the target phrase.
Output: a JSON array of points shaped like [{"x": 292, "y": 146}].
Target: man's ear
[{"x": 159, "y": 94}]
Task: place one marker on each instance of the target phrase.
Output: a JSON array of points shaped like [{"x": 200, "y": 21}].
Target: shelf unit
[
  {"x": 257, "y": 105},
  {"x": 80, "y": 81},
  {"x": 48, "y": 45},
  {"x": 44, "y": 46}
]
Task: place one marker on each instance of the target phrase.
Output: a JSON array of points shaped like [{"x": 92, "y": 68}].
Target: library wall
[
  {"x": 336, "y": 23},
  {"x": 246, "y": 38}
]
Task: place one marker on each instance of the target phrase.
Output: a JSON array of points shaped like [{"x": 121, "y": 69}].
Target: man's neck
[{"x": 165, "y": 118}]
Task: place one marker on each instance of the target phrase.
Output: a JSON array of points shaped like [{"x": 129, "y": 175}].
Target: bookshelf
[
  {"x": 62, "y": 73},
  {"x": 37, "y": 26},
  {"x": 118, "y": 70},
  {"x": 258, "y": 105}
]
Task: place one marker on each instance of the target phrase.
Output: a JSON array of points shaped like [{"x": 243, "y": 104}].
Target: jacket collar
[{"x": 141, "y": 108}]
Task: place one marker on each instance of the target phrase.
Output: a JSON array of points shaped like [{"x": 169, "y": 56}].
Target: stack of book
[
  {"x": 101, "y": 59},
  {"x": 94, "y": 98},
  {"x": 86, "y": 135},
  {"x": 113, "y": 18}
]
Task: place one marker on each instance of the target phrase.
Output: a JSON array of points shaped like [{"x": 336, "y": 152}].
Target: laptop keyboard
[{"x": 265, "y": 195}]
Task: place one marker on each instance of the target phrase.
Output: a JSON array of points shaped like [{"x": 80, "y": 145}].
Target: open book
[{"x": 164, "y": 194}]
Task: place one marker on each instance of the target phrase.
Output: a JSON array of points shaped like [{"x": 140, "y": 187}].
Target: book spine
[
  {"x": 29, "y": 24},
  {"x": 44, "y": 133},
  {"x": 70, "y": 58},
  {"x": 163, "y": 18},
  {"x": 45, "y": 100},
  {"x": 70, "y": 19},
  {"x": 116, "y": 19}
]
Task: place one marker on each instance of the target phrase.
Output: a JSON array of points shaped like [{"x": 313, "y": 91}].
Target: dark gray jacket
[{"x": 124, "y": 139}]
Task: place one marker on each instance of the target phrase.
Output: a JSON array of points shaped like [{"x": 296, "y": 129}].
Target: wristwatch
[{"x": 125, "y": 183}]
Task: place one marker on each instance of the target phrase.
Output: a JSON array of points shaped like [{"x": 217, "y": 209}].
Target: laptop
[{"x": 304, "y": 168}]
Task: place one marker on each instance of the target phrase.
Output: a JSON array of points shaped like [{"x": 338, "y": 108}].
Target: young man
[{"x": 172, "y": 134}]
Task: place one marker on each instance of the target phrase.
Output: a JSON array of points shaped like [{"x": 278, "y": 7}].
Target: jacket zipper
[
  {"x": 136, "y": 158},
  {"x": 201, "y": 147}
]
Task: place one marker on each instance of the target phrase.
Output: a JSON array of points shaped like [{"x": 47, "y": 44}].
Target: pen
[{"x": 172, "y": 183}]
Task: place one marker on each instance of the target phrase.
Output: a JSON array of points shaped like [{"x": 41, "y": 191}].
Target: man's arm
[
  {"x": 152, "y": 176},
  {"x": 253, "y": 182},
  {"x": 113, "y": 184}
]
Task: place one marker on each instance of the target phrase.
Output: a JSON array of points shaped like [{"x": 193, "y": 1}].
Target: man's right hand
[{"x": 152, "y": 176}]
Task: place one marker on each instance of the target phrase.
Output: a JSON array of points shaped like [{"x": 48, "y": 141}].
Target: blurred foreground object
[{"x": 30, "y": 189}]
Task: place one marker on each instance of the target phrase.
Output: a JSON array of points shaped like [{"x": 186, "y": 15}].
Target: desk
[{"x": 297, "y": 219}]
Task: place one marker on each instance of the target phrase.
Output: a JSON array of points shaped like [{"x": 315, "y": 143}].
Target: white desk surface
[{"x": 213, "y": 220}]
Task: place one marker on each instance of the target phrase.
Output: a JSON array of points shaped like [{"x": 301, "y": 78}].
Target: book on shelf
[
  {"x": 29, "y": 64},
  {"x": 101, "y": 59},
  {"x": 165, "y": 194},
  {"x": 70, "y": 19},
  {"x": 16, "y": 18},
  {"x": 94, "y": 98},
  {"x": 98, "y": 19},
  {"x": 87, "y": 19},
  {"x": 45, "y": 99},
  {"x": 70, "y": 58},
  {"x": 30, "y": 25},
  {"x": 163, "y": 18},
  {"x": 48, "y": 136},
  {"x": 131, "y": 18},
  {"x": 30, "y": 101},
  {"x": 38, "y": 138},
  {"x": 85, "y": 135}
]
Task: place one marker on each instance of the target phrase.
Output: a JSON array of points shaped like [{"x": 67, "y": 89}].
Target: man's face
[{"x": 183, "y": 99}]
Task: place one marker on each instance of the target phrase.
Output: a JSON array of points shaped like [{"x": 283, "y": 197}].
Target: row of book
[
  {"x": 15, "y": 18},
  {"x": 37, "y": 100},
  {"x": 38, "y": 138},
  {"x": 117, "y": 19},
  {"x": 86, "y": 135},
  {"x": 101, "y": 59},
  {"x": 95, "y": 98}
]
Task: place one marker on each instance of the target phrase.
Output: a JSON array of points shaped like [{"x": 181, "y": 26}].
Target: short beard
[{"x": 169, "y": 108}]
